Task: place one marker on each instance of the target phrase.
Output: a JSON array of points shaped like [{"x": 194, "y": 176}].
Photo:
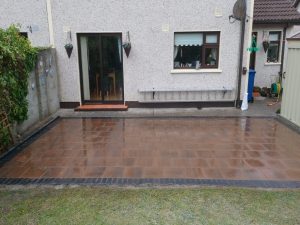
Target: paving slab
[{"x": 217, "y": 149}]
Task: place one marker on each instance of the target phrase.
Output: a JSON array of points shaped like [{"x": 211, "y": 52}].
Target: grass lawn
[{"x": 95, "y": 205}]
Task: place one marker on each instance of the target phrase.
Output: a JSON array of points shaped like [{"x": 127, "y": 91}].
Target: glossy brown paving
[{"x": 232, "y": 148}]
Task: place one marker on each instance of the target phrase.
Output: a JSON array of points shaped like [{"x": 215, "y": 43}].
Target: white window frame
[{"x": 280, "y": 49}]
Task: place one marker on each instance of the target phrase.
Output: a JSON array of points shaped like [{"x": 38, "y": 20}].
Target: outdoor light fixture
[
  {"x": 266, "y": 43},
  {"x": 69, "y": 45},
  {"x": 127, "y": 44}
]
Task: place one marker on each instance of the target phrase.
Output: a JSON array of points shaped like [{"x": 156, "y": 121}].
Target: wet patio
[{"x": 195, "y": 148}]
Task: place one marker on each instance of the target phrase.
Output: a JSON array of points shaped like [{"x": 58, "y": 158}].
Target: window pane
[
  {"x": 24, "y": 34},
  {"x": 188, "y": 39},
  {"x": 274, "y": 36},
  {"x": 210, "y": 56},
  {"x": 187, "y": 56},
  {"x": 211, "y": 38},
  {"x": 273, "y": 52}
]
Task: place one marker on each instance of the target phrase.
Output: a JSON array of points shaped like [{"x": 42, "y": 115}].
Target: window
[
  {"x": 24, "y": 34},
  {"x": 274, "y": 47},
  {"x": 196, "y": 50}
]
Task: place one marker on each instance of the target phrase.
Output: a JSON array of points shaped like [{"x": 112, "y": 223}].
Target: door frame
[{"x": 94, "y": 34}]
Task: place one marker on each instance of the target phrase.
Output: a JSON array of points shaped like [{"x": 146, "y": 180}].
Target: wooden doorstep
[{"x": 102, "y": 107}]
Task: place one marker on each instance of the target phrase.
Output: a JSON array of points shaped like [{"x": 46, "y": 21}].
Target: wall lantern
[
  {"x": 266, "y": 43},
  {"x": 69, "y": 45},
  {"x": 127, "y": 45}
]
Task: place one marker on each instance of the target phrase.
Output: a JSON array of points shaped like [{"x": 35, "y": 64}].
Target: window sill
[
  {"x": 189, "y": 71},
  {"x": 272, "y": 64}
]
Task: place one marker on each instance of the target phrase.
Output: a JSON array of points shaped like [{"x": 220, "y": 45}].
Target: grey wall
[
  {"x": 27, "y": 13},
  {"x": 151, "y": 59},
  {"x": 43, "y": 90}
]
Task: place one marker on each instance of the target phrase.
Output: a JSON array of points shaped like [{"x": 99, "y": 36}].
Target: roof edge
[
  {"x": 283, "y": 22},
  {"x": 295, "y": 37}
]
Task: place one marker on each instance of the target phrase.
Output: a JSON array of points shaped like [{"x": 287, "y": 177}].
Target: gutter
[{"x": 277, "y": 22}]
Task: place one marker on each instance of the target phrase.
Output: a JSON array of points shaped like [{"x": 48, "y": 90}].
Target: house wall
[
  {"x": 151, "y": 25},
  {"x": 151, "y": 59},
  {"x": 266, "y": 73},
  {"x": 27, "y": 13}
]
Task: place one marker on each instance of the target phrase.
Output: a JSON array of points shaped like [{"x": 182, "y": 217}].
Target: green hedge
[{"x": 17, "y": 60}]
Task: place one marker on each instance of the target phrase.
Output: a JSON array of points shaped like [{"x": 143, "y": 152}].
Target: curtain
[
  {"x": 120, "y": 49},
  {"x": 176, "y": 48},
  {"x": 214, "y": 53},
  {"x": 85, "y": 67}
]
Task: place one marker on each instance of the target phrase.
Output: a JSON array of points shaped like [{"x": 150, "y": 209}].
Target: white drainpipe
[
  {"x": 50, "y": 24},
  {"x": 248, "y": 41}
]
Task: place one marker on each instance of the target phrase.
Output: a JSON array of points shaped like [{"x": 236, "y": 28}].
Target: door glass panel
[
  {"x": 101, "y": 67},
  {"x": 85, "y": 68},
  {"x": 112, "y": 77}
]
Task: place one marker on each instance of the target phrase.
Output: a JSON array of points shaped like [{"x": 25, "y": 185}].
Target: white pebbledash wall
[
  {"x": 151, "y": 24},
  {"x": 29, "y": 13},
  {"x": 151, "y": 59}
]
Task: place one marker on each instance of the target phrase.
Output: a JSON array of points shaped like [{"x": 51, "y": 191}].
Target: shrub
[{"x": 17, "y": 60}]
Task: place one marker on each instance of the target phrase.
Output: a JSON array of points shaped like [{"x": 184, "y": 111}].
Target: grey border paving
[{"x": 152, "y": 182}]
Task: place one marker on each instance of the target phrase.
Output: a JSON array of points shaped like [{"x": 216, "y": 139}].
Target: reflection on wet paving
[{"x": 234, "y": 148}]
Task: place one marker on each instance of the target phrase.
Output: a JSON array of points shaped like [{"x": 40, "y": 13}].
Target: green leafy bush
[
  {"x": 4, "y": 137},
  {"x": 17, "y": 60}
]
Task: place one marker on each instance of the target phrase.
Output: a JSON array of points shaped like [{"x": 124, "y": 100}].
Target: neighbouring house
[
  {"x": 274, "y": 21},
  {"x": 180, "y": 52}
]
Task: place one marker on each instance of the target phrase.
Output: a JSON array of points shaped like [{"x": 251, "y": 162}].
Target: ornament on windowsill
[{"x": 127, "y": 45}]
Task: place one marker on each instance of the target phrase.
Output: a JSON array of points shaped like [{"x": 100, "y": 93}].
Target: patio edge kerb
[
  {"x": 288, "y": 123},
  {"x": 149, "y": 182}
]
